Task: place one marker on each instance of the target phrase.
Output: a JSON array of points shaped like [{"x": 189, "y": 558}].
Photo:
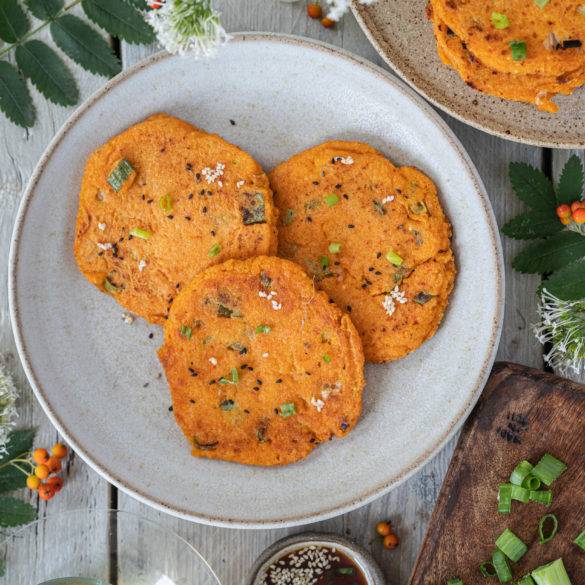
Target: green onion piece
[
  {"x": 263, "y": 329},
  {"x": 287, "y": 409},
  {"x": 542, "y": 497},
  {"x": 548, "y": 469},
  {"x": 520, "y": 494},
  {"x": 511, "y": 545},
  {"x": 331, "y": 200},
  {"x": 541, "y": 3},
  {"x": 526, "y": 580},
  {"x": 233, "y": 375},
  {"x": 166, "y": 203},
  {"x": 505, "y": 498},
  {"x": 119, "y": 175},
  {"x": 345, "y": 571},
  {"x": 326, "y": 358},
  {"x": 455, "y": 581},
  {"x": 518, "y": 50},
  {"x": 484, "y": 569},
  {"x": 531, "y": 483},
  {"x": 334, "y": 248},
  {"x": 214, "y": 250},
  {"x": 552, "y": 574},
  {"x": 140, "y": 233},
  {"x": 542, "y": 538},
  {"x": 521, "y": 472},
  {"x": 500, "y": 21},
  {"x": 324, "y": 262},
  {"x": 394, "y": 258},
  {"x": 500, "y": 563},
  {"x": 111, "y": 287},
  {"x": 580, "y": 540},
  {"x": 186, "y": 331}
]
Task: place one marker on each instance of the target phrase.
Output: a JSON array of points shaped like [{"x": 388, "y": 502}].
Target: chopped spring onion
[
  {"x": 186, "y": 331},
  {"x": 326, "y": 358},
  {"x": 542, "y": 538},
  {"x": 111, "y": 287},
  {"x": 119, "y": 175},
  {"x": 505, "y": 498},
  {"x": 520, "y": 494},
  {"x": 511, "y": 545},
  {"x": 500, "y": 563},
  {"x": 334, "y": 248},
  {"x": 521, "y": 472},
  {"x": 287, "y": 409},
  {"x": 531, "y": 482},
  {"x": 526, "y": 580},
  {"x": 324, "y": 262},
  {"x": 214, "y": 250},
  {"x": 233, "y": 375},
  {"x": 394, "y": 258},
  {"x": 552, "y": 574},
  {"x": 580, "y": 540},
  {"x": 455, "y": 581},
  {"x": 166, "y": 203},
  {"x": 140, "y": 233},
  {"x": 542, "y": 497},
  {"x": 345, "y": 571},
  {"x": 541, "y": 3},
  {"x": 263, "y": 329},
  {"x": 331, "y": 200},
  {"x": 548, "y": 469},
  {"x": 518, "y": 50},
  {"x": 500, "y": 21},
  {"x": 487, "y": 569}
]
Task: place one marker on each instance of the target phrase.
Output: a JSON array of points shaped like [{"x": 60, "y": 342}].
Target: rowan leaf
[
  {"x": 48, "y": 73},
  {"x": 19, "y": 443},
  {"x": 84, "y": 45},
  {"x": 45, "y": 9},
  {"x": 568, "y": 284},
  {"x": 532, "y": 186},
  {"x": 15, "y": 100},
  {"x": 570, "y": 186},
  {"x": 120, "y": 19},
  {"x": 14, "y": 512},
  {"x": 140, "y": 4},
  {"x": 11, "y": 479},
  {"x": 532, "y": 225},
  {"x": 551, "y": 254},
  {"x": 13, "y": 21}
]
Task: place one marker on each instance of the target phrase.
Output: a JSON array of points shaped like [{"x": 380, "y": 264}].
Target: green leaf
[
  {"x": 13, "y": 21},
  {"x": 552, "y": 254},
  {"x": 532, "y": 186},
  {"x": 571, "y": 183},
  {"x": 46, "y": 70},
  {"x": 84, "y": 45},
  {"x": 140, "y": 4},
  {"x": 11, "y": 479},
  {"x": 19, "y": 443},
  {"x": 568, "y": 284},
  {"x": 45, "y": 9},
  {"x": 15, "y": 100},
  {"x": 533, "y": 224},
  {"x": 15, "y": 512},
  {"x": 120, "y": 19}
]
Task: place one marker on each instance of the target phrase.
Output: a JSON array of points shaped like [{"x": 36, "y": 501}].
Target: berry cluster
[
  {"x": 45, "y": 468},
  {"x": 574, "y": 213},
  {"x": 314, "y": 10},
  {"x": 390, "y": 540}
]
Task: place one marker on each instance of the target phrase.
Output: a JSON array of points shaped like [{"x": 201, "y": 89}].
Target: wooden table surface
[{"x": 232, "y": 552}]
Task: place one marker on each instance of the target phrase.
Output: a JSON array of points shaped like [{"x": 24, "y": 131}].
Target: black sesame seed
[
  {"x": 192, "y": 401},
  {"x": 150, "y": 335},
  {"x": 170, "y": 216},
  {"x": 378, "y": 273},
  {"x": 211, "y": 382},
  {"x": 246, "y": 411},
  {"x": 338, "y": 186},
  {"x": 145, "y": 385},
  {"x": 101, "y": 253},
  {"x": 192, "y": 372},
  {"x": 188, "y": 217},
  {"x": 259, "y": 382},
  {"x": 178, "y": 285},
  {"x": 189, "y": 167},
  {"x": 309, "y": 219},
  {"x": 315, "y": 182},
  {"x": 149, "y": 201},
  {"x": 209, "y": 193},
  {"x": 346, "y": 196},
  {"x": 143, "y": 197},
  {"x": 371, "y": 269},
  {"x": 256, "y": 388},
  {"x": 190, "y": 196},
  {"x": 204, "y": 210},
  {"x": 350, "y": 226},
  {"x": 213, "y": 233},
  {"x": 279, "y": 381},
  {"x": 244, "y": 366},
  {"x": 233, "y": 122},
  {"x": 171, "y": 408},
  {"x": 348, "y": 308},
  {"x": 336, "y": 263},
  {"x": 202, "y": 192},
  {"x": 379, "y": 255}
]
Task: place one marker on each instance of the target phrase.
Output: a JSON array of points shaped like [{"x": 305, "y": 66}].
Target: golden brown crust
[
  {"x": 168, "y": 156},
  {"x": 310, "y": 357},
  {"x": 349, "y": 194}
]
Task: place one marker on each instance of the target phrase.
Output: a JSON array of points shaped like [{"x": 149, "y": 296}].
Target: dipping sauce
[{"x": 313, "y": 565}]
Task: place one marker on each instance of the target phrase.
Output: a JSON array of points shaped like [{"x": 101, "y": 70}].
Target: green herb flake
[
  {"x": 324, "y": 262},
  {"x": 233, "y": 379},
  {"x": 542, "y": 3},
  {"x": 418, "y": 208},
  {"x": 166, "y": 203},
  {"x": 238, "y": 347},
  {"x": 214, "y": 250},
  {"x": 518, "y": 50},
  {"x": 223, "y": 311},
  {"x": 186, "y": 331},
  {"x": 288, "y": 217},
  {"x": 378, "y": 207},
  {"x": 345, "y": 570},
  {"x": 265, "y": 280},
  {"x": 227, "y": 404},
  {"x": 287, "y": 409},
  {"x": 334, "y": 248},
  {"x": 120, "y": 175},
  {"x": 110, "y": 287},
  {"x": 326, "y": 358},
  {"x": 394, "y": 258},
  {"x": 331, "y": 200},
  {"x": 263, "y": 329},
  {"x": 500, "y": 21},
  {"x": 255, "y": 211},
  {"x": 140, "y": 233}
]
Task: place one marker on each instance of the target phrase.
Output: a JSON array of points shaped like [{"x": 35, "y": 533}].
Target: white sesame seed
[
  {"x": 106, "y": 246},
  {"x": 240, "y": 184},
  {"x": 388, "y": 199},
  {"x": 101, "y": 227},
  {"x": 142, "y": 265},
  {"x": 213, "y": 361},
  {"x": 265, "y": 354},
  {"x": 128, "y": 318},
  {"x": 344, "y": 160}
]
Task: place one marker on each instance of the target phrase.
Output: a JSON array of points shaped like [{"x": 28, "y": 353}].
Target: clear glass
[{"x": 100, "y": 547}]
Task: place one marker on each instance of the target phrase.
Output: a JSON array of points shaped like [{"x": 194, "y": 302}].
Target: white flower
[
  {"x": 562, "y": 324},
  {"x": 187, "y": 25},
  {"x": 337, "y": 8},
  {"x": 8, "y": 414}
]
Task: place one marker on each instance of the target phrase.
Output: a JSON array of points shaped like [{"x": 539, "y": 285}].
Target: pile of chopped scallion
[{"x": 525, "y": 486}]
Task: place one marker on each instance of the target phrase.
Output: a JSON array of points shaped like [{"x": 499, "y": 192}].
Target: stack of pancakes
[{"x": 521, "y": 50}]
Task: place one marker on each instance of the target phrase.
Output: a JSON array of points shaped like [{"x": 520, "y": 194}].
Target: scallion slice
[
  {"x": 140, "y": 233},
  {"x": 500, "y": 21},
  {"x": 580, "y": 540},
  {"x": 326, "y": 358},
  {"x": 500, "y": 563},
  {"x": 505, "y": 498},
  {"x": 552, "y": 574},
  {"x": 511, "y": 545},
  {"x": 287, "y": 409},
  {"x": 214, "y": 250},
  {"x": 324, "y": 262},
  {"x": 394, "y": 258},
  {"x": 542, "y": 497},
  {"x": 518, "y": 50},
  {"x": 487, "y": 569},
  {"x": 334, "y": 247},
  {"x": 331, "y": 200},
  {"x": 526, "y": 580},
  {"x": 521, "y": 472},
  {"x": 186, "y": 331},
  {"x": 455, "y": 581},
  {"x": 166, "y": 203},
  {"x": 111, "y": 287},
  {"x": 263, "y": 329},
  {"x": 120, "y": 174},
  {"x": 548, "y": 469},
  {"x": 235, "y": 378},
  {"x": 531, "y": 483},
  {"x": 542, "y": 537},
  {"x": 520, "y": 494}
]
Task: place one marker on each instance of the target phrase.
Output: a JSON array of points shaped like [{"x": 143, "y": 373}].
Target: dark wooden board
[{"x": 522, "y": 414}]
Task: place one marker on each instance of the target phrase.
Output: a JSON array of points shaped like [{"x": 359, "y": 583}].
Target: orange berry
[
  {"x": 40, "y": 456},
  {"x": 59, "y": 450},
  {"x": 391, "y": 541},
  {"x": 577, "y": 205},
  {"x": 42, "y": 471},
  {"x": 33, "y": 482},
  {"x": 55, "y": 482},
  {"x": 327, "y": 22},
  {"x": 566, "y": 220},
  {"x": 46, "y": 491},
  {"x": 54, "y": 464},
  {"x": 563, "y": 211},
  {"x": 383, "y": 528},
  {"x": 579, "y": 215},
  {"x": 314, "y": 10}
]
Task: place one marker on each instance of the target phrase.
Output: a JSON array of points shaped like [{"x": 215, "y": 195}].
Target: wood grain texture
[{"x": 522, "y": 414}]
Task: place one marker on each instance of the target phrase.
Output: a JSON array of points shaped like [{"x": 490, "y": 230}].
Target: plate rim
[
  {"x": 373, "y": 35},
  {"x": 307, "y": 517}
]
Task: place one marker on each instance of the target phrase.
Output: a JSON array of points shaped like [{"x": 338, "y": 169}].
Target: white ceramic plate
[
  {"x": 90, "y": 370},
  {"x": 402, "y": 34}
]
